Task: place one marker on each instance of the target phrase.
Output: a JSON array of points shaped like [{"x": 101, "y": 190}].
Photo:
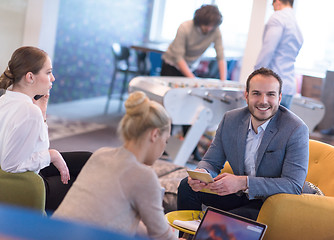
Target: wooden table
[
  {"x": 151, "y": 47},
  {"x": 154, "y": 52}
]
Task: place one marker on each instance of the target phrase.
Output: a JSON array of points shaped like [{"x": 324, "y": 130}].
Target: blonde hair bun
[{"x": 137, "y": 103}]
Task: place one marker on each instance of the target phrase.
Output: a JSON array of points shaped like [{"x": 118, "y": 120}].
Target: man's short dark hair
[
  {"x": 208, "y": 15},
  {"x": 264, "y": 72},
  {"x": 287, "y": 2}
]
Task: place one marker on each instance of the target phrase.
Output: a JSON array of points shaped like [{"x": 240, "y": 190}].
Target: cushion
[
  {"x": 171, "y": 183},
  {"x": 310, "y": 188},
  {"x": 164, "y": 167},
  {"x": 170, "y": 176},
  {"x": 22, "y": 189}
]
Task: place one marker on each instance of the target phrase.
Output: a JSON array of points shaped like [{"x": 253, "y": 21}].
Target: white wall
[
  {"x": 41, "y": 24},
  {"x": 254, "y": 41},
  {"x": 48, "y": 34},
  {"x": 12, "y": 19},
  {"x": 27, "y": 22},
  {"x": 33, "y": 22}
]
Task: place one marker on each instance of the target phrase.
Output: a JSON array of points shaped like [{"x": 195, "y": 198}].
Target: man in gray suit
[{"x": 266, "y": 146}]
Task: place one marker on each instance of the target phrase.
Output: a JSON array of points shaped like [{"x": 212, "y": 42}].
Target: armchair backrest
[
  {"x": 321, "y": 166},
  {"x": 22, "y": 189},
  {"x": 227, "y": 168}
]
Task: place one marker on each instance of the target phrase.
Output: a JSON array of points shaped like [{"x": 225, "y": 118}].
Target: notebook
[{"x": 218, "y": 224}]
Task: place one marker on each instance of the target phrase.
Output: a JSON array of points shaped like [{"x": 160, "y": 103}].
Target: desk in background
[
  {"x": 151, "y": 47},
  {"x": 208, "y": 60},
  {"x": 154, "y": 51}
]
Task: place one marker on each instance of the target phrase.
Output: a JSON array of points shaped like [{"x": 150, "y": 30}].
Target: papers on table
[{"x": 191, "y": 225}]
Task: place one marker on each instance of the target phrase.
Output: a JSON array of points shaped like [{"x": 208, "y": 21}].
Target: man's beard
[{"x": 274, "y": 111}]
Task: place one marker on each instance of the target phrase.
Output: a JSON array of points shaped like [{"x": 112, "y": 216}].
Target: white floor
[{"x": 91, "y": 109}]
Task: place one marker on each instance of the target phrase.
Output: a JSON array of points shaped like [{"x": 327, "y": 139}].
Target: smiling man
[{"x": 266, "y": 146}]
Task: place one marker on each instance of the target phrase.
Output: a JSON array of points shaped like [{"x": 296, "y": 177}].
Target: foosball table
[{"x": 200, "y": 103}]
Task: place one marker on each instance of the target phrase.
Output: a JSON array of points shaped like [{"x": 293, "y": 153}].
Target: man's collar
[{"x": 263, "y": 125}]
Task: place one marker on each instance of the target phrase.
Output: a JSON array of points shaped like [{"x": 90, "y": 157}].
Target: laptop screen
[{"x": 218, "y": 224}]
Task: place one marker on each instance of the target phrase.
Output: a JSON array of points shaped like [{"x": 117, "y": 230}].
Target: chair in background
[
  {"x": 122, "y": 64},
  {"x": 22, "y": 189},
  {"x": 142, "y": 63}
]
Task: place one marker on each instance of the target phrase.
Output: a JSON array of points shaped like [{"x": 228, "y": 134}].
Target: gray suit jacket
[{"x": 282, "y": 161}]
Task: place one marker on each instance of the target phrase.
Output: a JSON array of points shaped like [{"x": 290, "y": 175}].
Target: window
[
  {"x": 174, "y": 16},
  {"x": 316, "y": 23},
  {"x": 315, "y": 20},
  {"x": 236, "y": 18},
  {"x": 169, "y": 14}
]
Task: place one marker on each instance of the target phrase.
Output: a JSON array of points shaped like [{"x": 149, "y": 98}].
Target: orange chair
[{"x": 305, "y": 216}]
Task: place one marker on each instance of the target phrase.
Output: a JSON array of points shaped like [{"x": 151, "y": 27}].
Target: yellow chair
[
  {"x": 321, "y": 167},
  {"x": 22, "y": 189},
  {"x": 304, "y": 216},
  {"x": 184, "y": 215}
]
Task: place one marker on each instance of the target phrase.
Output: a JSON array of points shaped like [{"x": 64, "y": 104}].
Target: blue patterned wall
[{"x": 86, "y": 29}]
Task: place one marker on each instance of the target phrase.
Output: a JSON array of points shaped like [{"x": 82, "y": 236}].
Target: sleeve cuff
[{"x": 247, "y": 189}]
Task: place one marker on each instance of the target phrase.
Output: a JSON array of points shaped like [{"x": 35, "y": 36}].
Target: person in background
[
  {"x": 282, "y": 40},
  {"x": 24, "y": 140},
  {"x": 117, "y": 188},
  {"x": 191, "y": 41},
  {"x": 266, "y": 146}
]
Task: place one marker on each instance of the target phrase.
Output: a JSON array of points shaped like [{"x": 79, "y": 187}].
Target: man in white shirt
[{"x": 282, "y": 40}]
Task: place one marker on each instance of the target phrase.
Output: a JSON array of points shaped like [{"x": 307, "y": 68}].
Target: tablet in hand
[{"x": 202, "y": 176}]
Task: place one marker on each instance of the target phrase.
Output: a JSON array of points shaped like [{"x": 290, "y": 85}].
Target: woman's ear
[
  {"x": 29, "y": 77},
  {"x": 155, "y": 133}
]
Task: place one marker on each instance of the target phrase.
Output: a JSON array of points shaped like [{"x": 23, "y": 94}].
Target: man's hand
[
  {"x": 222, "y": 66},
  {"x": 184, "y": 69},
  {"x": 227, "y": 183},
  {"x": 197, "y": 185},
  {"x": 58, "y": 161}
]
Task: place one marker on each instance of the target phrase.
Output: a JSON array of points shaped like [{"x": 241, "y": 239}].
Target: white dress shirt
[
  {"x": 24, "y": 140},
  {"x": 282, "y": 40},
  {"x": 253, "y": 142}
]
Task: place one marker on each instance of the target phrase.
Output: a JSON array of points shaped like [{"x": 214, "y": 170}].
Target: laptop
[{"x": 218, "y": 224}]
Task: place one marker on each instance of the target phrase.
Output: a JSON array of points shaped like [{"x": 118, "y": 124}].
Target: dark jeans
[
  {"x": 187, "y": 199},
  {"x": 168, "y": 70},
  {"x": 55, "y": 189}
]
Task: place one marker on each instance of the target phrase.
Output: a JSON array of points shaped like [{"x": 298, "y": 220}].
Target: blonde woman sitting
[{"x": 117, "y": 189}]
